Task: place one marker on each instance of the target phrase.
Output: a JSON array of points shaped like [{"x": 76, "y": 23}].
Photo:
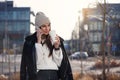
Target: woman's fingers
[
  {"x": 39, "y": 33},
  {"x": 57, "y": 43}
]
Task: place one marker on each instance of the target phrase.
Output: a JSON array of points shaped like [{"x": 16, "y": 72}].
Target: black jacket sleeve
[
  {"x": 23, "y": 71},
  {"x": 65, "y": 72},
  {"x": 28, "y": 62}
]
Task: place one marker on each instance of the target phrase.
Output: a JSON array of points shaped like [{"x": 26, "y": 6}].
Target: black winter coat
[{"x": 28, "y": 68}]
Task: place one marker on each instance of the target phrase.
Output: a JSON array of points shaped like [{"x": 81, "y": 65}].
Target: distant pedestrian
[{"x": 42, "y": 57}]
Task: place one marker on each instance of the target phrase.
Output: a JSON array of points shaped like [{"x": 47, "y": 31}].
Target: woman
[{"x": 42, "y": 60}]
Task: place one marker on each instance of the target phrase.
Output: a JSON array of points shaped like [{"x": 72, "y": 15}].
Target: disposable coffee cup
[{"x": 52, "y": 34}]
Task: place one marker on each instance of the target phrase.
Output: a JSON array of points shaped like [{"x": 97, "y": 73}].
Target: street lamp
[{"x": 86, "y": 27}]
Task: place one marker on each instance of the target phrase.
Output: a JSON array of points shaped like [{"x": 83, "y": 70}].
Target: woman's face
[{"x": 45, "y": 28}]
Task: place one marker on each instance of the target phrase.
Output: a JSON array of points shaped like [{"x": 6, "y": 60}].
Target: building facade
[
  {"x": 14, "y": 25},
  {"x": 93, "y": 18}
]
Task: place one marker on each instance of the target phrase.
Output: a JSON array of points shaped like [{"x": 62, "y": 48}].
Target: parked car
[{"x": 79, "y": 55}]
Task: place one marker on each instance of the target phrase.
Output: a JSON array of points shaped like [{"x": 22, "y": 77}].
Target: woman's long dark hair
[{"x": 49, "y": 44}]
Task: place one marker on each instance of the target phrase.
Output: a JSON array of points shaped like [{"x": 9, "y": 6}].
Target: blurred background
[{"x": 91, "y": 30}]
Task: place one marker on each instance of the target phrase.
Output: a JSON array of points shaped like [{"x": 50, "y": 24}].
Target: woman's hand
[
  {"x": 39, "y": 34},
  {"x": 57, "y": 43}
]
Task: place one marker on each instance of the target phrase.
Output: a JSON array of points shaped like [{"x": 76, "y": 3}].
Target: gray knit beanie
[{"x": 41, "y": 19}]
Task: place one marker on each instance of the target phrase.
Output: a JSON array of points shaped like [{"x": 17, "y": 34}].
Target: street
[
  {"x": 9, "y": 63},
  {"x": 14, "y": 65},
  {"x": 87, "y": 67}
]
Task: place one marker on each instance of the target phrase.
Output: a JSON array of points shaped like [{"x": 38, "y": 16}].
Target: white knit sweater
[{"x": 44, "y": 62}]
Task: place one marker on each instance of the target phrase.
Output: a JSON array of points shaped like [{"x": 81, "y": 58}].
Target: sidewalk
[{"x": 87, "y": 67}]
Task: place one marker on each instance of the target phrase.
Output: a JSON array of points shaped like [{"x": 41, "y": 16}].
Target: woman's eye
[
  {"x": 48, "y": 24},
  {"x": 43, "y": 26}
]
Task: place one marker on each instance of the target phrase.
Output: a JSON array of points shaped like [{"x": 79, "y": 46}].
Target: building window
[
  {"x": 100, "y": 26},
  {"x": 91, "y": 37},
  {"x": 95, "y": 37},
  {"x": 21, "y": 15},
  {"x": 2, "y": 26},
  {"x": 95, "y": 25},
  {"x": 2, "y": 15},
  {"x": 91, "y": 26}
]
